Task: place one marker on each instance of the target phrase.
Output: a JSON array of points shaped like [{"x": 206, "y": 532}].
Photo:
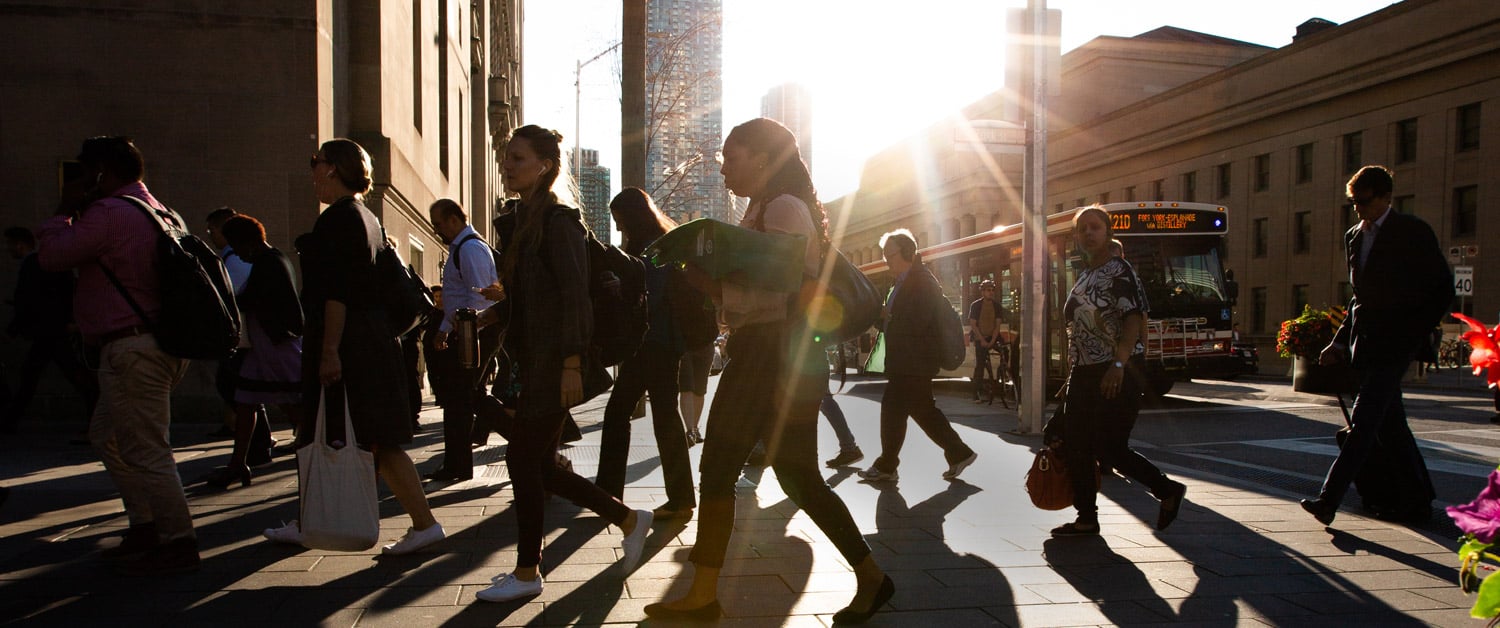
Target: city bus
[{"x": 1177, "y": 249}]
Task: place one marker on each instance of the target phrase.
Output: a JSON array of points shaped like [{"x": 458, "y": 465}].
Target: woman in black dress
[
  {"x": 352, "y": 354},
  {"x": 544, "y": 274}
]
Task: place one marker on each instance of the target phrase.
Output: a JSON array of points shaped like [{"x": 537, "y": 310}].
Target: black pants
[
  {"x": 911, "y": 396},
  {"x": 982, "y": 368},
  {"x": 461, "y": 389},
  {"x": 652, "y": 370},
  {"x": 61, "y": 350},
  {"x": 1097, "y": 430},
  {"x": 1379, "y": 416},
  {"x": 531, "y": 458},
  {"x": 759, "y": 395}
]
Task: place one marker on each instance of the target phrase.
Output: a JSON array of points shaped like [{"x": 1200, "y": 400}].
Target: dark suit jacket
[
  {"x": 912, "y": 339},
  {"x": 1403, "y": 291}
]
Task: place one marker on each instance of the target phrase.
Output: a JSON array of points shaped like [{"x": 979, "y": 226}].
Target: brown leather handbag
[{"x": 1047, "y": 481}]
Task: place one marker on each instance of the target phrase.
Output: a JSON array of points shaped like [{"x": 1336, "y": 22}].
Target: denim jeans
[
  {"x": 653, "y": 369},
  {"x": 840, "y": 424},
  {"x": 760, "y": 396},
  {"x": 130, "y": 430}
]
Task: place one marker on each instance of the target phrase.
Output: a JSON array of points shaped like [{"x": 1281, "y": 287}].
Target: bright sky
[{"x": 879, "y": 70}]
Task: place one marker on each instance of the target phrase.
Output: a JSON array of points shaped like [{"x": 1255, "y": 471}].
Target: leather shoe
[
  {"x": 708, "y": 612},
  {"x": 850, "y": 616},
  {"x": 1321, "y": 510},
  {"x": 1171, "y": 503}
]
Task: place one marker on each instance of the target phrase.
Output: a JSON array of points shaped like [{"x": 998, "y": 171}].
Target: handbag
[
  {"x": 337, "y": 489},
  {"x": 850, "y": 303},
  {"x": 1047, "y": 481}
]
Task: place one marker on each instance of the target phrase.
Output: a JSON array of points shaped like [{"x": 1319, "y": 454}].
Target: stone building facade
[
  {"x": 227, "y": 100},
  {"x": 1271, "y": 134}
]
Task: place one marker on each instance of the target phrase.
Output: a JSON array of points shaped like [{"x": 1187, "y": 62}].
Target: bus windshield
[{"x": 1178, "y": 272}]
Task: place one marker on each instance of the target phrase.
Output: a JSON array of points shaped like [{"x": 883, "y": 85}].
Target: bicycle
[
  {"x": 998, "y": 381},
  {"x": 1453, "y": 353}
]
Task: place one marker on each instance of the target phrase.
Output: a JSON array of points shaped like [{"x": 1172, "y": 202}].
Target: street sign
[{"x": 1463, "y": 281}]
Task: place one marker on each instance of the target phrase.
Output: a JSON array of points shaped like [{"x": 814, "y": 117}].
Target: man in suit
[
  {"x": 1402, "y": 289},
  {"x": 910, "y": 324}
]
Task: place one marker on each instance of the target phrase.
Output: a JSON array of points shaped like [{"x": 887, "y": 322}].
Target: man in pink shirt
[{"x": 130, "y": 425}]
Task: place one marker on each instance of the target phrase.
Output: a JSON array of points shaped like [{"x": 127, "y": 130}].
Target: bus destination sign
[{"x": 1165, "y": 221}]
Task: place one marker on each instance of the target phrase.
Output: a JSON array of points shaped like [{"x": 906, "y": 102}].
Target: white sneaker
[
  {"x": 288, "y": 533},
  {"x": 415, "y": 539},
  {"x": 874, "y": 474},
  {"x": 506, "y": 587},
  {"x": 958, "y": 467},
  {"x": 634, "y": 544}
]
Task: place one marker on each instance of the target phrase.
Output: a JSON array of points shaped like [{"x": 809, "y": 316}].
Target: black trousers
[
  {"x": 1097, "y": 430},
  {"x": 531, "y": 458},
  {"x": 652, "y": 370},
  {"x": 911, "y": 396},
  {"x": 61, "y": 350},
  {"x": 461, "y": 389}
]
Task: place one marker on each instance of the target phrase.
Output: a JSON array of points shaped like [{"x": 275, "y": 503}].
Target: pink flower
[
  {"x": 1484, "y": 348},
  {"x": 1481, "y": 517}
]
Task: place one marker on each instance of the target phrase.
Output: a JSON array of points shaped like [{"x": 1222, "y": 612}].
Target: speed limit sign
[{"x": 1463, "y": 281}]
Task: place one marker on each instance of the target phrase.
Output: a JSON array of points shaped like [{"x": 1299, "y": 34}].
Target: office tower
[
  {"x": 684, "y": 107},
  {"x": 593, "y": 194},
  {"x": 791, "y": 105}
]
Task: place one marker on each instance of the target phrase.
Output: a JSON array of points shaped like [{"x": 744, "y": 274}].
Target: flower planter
[{"x": 1310, "y": 377}]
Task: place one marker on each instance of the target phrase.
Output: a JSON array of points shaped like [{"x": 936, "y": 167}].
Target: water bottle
[{"x": 466, "y": 336}]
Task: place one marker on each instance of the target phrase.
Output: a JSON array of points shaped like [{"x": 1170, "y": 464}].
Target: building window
[
  {"x": 1406, "y": 141},
  {"x": 1354, "y": 145},
  {"x": 1224, "y": 172},
  {"x": 1468, "y": 127},
  {"x": 1465, "y": 210},
  {"x": 1299, "y": 298},
  {"x": 1157, "y": 189},
  {"x": 1304, "y": 163},
  {"x": 1302, "y": 225},
  {"x": 1130, "y": 194},
  {"x": 1104, "y": 198},
  {"x": 1258, "y": 310},
  {"x": 417, "y": 44},
  {"x": 1057, "y": 209},
  {"x": 1262, "y": 172},
  {"x": 1081, "y": 202},
  {"x": 1190, "y": 186},
  {"x": 1260, "y": 236}
]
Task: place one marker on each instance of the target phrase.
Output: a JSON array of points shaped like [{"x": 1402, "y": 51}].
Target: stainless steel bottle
[{"x": 466, "y": 336}]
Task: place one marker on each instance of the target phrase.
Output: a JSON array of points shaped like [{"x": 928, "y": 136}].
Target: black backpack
[
  {"x": 407, "y": 299},
  {"x": 617, "y": 292},
  {"x": 198, "y": 318},
  {"x": 952, "y": 348}
]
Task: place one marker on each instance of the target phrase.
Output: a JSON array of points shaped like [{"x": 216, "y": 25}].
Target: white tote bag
[{"x": 337, "y": 486}]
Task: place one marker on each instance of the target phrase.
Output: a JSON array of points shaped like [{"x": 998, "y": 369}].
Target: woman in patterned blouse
[{"x": 1106, "y": 314}]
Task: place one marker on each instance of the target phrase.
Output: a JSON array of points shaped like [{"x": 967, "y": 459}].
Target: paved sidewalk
[{"x": 971, "y": 552}]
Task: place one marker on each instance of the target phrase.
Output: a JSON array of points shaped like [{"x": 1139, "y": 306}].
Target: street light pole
[{"x": 578, "y": 112}]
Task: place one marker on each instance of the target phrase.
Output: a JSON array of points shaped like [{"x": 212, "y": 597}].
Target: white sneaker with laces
[
  {"x": 288, "y": 533},
  {"x": 415, "y": 539},
  {"x": 506, "y": 587},
  {"x": 634, "y": 544},
  {"x": 874, "y": 474}
]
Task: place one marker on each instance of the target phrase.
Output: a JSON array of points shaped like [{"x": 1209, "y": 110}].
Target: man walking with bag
[
  {"x": 130, "y": 425},
  {"x": 1402, "y": 288},
  {"x": 910, "y": 324},
  {"x": 470, "y": 267}
]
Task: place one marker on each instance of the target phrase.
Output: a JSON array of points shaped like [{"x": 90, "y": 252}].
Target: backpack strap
[{"x": 134, "y": 306}]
